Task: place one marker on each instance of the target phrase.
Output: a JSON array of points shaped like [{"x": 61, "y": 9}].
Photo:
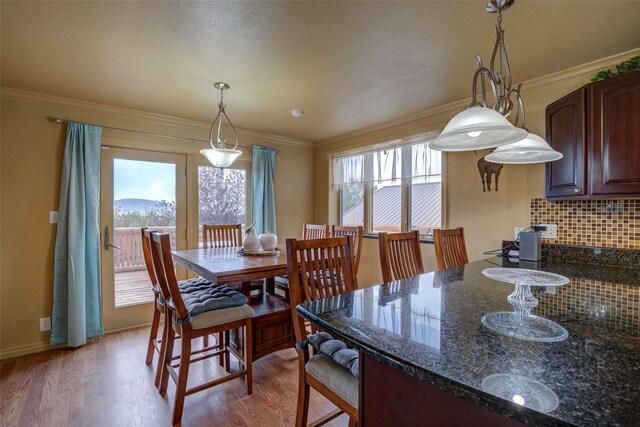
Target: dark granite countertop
[{"x": 429, "y": 327}]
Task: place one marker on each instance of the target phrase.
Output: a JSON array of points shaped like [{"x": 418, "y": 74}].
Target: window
[
  {"x": 392, "y": 189},
  {"x": 222, "y": 196}
]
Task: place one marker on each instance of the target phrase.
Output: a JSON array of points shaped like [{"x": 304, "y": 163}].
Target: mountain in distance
[{"x": 140, "y": 205}]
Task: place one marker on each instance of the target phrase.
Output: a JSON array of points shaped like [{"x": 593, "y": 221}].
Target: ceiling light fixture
[
  {"x": 297, "y": 113},
  {"x": 219, "y": 155},
  {"x": 485, "y": 125}
]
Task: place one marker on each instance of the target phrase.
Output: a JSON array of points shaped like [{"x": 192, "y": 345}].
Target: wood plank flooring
[{"x": 106, "y": 383}]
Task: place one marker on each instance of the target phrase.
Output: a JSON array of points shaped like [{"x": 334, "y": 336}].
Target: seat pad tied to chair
[
  {"x": 334, "y": 376},
  {"x": 214, "y": 304},
  {"x": 338, "y": 351}
]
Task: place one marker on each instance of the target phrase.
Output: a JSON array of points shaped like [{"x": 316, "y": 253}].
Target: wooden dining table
[
  {"x": 272, "y": 327},
  {"x": 225, "y": 265}
]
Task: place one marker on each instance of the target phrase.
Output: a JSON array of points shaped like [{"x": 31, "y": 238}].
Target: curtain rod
[{"x": 60, "y": 121}]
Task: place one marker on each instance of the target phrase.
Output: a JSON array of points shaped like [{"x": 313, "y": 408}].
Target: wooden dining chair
[
  {"x": 227, "y": 236},
  {"x": 320, "y": 268},
  {"x": 315, "y": 231},
  {"x": 451, "y": 250},
  {"x": 215, "y": 309},
  {"x": 400, "y": 255},
  {"x": 221, "y": 235},
  {"x": 159, "y": 304},
  {"x": 356, "y": 232}
]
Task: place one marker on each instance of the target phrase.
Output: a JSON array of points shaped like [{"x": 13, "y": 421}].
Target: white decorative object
[
  {"x": 268, "y": 241},
  {"x": 251, "y": 243}
]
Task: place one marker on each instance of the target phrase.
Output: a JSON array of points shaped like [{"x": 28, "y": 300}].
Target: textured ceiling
[{"x": 348, "y": 65}]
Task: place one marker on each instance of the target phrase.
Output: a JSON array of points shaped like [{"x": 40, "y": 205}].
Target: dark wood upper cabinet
[{"x": 597, "y": 129}]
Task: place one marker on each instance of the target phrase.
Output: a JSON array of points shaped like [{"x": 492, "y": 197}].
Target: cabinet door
[
  {"x": 566, "y": 178},
  {"x": 615, "y": 149}
]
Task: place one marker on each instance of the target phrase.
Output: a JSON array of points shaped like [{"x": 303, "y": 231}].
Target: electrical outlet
[
  {"x": 516, "y": 232},
  {"x": 551, "y": 232},
  {"x": 45, "y": 324},
  {"x": 53, "y": 217}
]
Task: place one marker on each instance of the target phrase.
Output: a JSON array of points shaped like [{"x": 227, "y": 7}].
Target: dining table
[{"x": 272, "y": 327}]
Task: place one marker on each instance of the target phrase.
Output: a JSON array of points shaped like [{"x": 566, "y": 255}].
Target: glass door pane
[{"x": 144, "y": 195}]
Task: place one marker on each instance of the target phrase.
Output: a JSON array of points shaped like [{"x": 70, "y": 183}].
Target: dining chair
[
  {"x": 226, "y": 236},
  {"x": 221, "y": 235},
  {"x": 320, "y": 268},
  {"x": 309, "y": 231},
  {"x": 400, "y": 255},
  {"x": 159, "y": 305},
  {"x": 315, "y": 231},
  {"x": 356, "y": 232},
  {"x": 451, "y": 250},
  {"x": 215, "y": 309}
]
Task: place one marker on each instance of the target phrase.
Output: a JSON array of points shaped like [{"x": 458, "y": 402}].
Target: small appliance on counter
[{"x": 530, "y": 246}]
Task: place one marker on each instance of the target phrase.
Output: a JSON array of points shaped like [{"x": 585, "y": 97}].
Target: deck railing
[{"x": 129, "y": 257}]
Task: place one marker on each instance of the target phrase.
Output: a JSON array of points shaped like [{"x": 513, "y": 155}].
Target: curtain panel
[
  {"x": 404, "y": 164},
  {"x": 263, "y": 171},
  {"x": 77, "y": 308}
]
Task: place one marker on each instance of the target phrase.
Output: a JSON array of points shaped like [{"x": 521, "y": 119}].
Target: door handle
[{"x": 107, "y": 243}]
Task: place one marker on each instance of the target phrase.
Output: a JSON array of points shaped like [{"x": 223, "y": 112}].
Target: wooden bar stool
[
  {"x": 400, "y": 255},
  {"x": 451, "y": 250}
]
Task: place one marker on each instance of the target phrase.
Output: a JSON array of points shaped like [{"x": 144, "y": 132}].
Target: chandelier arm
[
  {"x": 213, "y": 125},
  {"x": 235, "y": 134},
  {"x": 520, "y": 115},
  {"x": 482, "y": 72}
]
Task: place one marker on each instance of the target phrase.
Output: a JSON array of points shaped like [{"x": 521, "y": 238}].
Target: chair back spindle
[
  {"x": 315, "y": 231},
  {"x": 356, "y": 232},
  {"x": 400, "y": 255},
  {"x": 451, "y": 250},
  {"x": 221, "y": 236}
]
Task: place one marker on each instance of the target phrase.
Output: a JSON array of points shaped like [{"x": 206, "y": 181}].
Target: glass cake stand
[
  {"x": 522, "y": 391},
  {"x": 520, "y": 323}
]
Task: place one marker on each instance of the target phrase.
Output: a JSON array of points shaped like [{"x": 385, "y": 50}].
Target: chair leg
[
  {"x": 302, "y": 411},
  {"x": 248, "y": 355},
  {"x": 153, "y": 334},
  {"x": 183, "y": 374},
  {"x": 220, "y": 346},
  {"x": 227, "y": 359},
  {"x": 353, "y": 422},
  {"x": 205, "y": 341},
  {"x": 163, "y": 347},
  {"x": 167, "y": 351}
]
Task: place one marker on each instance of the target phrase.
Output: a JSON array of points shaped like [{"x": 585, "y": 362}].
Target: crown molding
[
  {"x": 444, "y": 112},
  {"x": 149, "y": 118}
]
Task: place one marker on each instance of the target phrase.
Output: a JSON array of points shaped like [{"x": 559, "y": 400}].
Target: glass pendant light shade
[
  {"x": 220, "y": 157},
  {"x": 477, "y": 128},
  {"x": 532, "y": 149}
]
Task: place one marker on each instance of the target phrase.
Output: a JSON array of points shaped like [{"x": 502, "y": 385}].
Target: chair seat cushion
[
  {"x": 189, "y": 285},
  {"x": 218, "y": 317},
  {"x": 337, "y": 351},
  {"x": 199, "y": 299},
  {"x": 282, "y": 280},
  {"x": 335, "y": 377}
]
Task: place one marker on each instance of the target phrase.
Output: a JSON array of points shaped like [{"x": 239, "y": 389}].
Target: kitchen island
[{"x": 427, "y": 359}]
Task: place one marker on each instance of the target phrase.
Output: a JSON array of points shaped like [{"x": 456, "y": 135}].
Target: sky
[{"x": 135, "y": 179}]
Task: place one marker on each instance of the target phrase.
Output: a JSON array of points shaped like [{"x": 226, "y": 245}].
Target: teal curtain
[
  {"x": 263, "y": 196},
  {"x": 77, "y": 308}
]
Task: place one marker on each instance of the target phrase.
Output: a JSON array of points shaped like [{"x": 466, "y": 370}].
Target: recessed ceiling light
[{"x": 296, "y": 112}]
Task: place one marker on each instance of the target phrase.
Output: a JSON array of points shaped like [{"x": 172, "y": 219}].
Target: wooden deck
[{"x": 133, "y": 287}]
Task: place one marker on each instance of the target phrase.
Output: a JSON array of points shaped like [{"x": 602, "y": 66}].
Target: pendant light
[
  {"x": 484, "y": 125},
  {"x": 219, "y": 155},
  {"x": 531, "y": 149}
]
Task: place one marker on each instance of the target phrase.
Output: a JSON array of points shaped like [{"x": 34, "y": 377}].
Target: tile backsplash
[{"x": 607, "y": 223}]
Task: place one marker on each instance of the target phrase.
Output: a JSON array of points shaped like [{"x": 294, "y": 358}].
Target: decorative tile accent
[{"x": 606, "y": 223}]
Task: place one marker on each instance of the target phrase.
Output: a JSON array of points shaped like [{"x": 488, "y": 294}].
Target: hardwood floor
[{"x": 106, "y": 383}]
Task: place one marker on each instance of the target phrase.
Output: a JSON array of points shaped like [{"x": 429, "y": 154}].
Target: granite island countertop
[{"x": 429, "y": 327}]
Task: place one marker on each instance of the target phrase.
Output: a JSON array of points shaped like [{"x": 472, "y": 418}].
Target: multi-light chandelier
[
  {"x": 484, "y": 123},
  {"x": 219, "y": 155}
]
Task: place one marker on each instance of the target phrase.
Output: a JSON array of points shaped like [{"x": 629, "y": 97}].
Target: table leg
[
  {"x": 271, "y": 285},
  {"x": 246, "y": 288}
]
